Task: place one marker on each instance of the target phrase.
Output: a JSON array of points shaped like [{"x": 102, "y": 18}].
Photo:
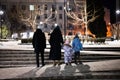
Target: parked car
[
  {"x": 14, "y": 36},
  {"x": 26, "y": 35}
]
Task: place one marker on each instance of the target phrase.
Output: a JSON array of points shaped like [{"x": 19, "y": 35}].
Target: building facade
[{"x": 48, "y": 12}]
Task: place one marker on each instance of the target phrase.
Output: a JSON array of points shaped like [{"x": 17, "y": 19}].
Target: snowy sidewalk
[{"x": 63, "y": 71}]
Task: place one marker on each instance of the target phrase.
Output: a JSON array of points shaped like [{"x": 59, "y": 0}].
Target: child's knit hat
[{"x": 67, "y": 42}]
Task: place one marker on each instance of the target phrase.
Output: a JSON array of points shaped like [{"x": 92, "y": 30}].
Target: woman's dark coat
[
  {"x": 56, "y": 42},
  {"x": 39, "y": 41}
]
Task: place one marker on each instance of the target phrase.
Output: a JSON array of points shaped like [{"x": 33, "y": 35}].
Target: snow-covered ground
[{"x": 12, "y": 44}]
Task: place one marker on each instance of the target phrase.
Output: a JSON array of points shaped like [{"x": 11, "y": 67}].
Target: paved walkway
[{"x": 89, "y": 68}]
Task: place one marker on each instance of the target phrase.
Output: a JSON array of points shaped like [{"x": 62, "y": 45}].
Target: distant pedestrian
[
  {"x": 68, "y": 52},
  {"x": 39, "y": 44},
  {"x": 56, "y": 41},
  {"x": 77, "y": 46}
]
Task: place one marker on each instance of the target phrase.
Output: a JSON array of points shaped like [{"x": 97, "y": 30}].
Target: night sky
[{"x": 111, "y": 4}]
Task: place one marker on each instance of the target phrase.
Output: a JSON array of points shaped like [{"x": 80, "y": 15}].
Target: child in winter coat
[
  {"x": 67, "y": 52},
  {"x": 77, "y": 47}
]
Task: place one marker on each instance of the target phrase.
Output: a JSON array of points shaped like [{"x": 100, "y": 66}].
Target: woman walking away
[
  {"x": 67, "y": 52},
  {"x": 56, "y": 42},
  {"x": 77, "y": 46}
]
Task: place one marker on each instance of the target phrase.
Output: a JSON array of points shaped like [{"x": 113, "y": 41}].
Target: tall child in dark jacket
[{"x": 39, "y": 44}]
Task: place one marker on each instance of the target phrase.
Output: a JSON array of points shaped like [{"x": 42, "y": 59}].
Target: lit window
[{"x": 31, "y": 7}]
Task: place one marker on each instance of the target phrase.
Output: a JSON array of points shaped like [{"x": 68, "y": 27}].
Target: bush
[
  {"x": 26, "y": 40},
  {"x": 100, "y": 40}
]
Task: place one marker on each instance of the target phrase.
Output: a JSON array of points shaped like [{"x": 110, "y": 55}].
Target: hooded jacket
[{"x": 76, "y": 44}]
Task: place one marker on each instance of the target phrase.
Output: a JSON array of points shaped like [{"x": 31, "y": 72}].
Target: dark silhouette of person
[
  {"x": 56, "y": 41},
  {"x": 39, "y": 44}
]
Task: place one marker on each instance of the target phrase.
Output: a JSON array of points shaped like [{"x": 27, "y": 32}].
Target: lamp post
[
  {"x": 1, "y": 13},
  {"x": 85, "y": 9},
  {"x": 117, "y": 21},
  {"x": 64, "y": 19},
  {"x": 31, "y": 7},
  {"x": 117, "y": 15}
]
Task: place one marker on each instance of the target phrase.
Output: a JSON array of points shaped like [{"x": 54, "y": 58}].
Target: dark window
[
  {"x": 13, "y": 9},
  {"x": 70, "y": 33},
  {"x": 60, "y": 7},
  {"x": 60, "y": 16},
  {"x": 38, "y": 6},
  {"x": 54, "y": 19},
  {"x": 79, "y": 15},
  {"x": 53, "y": 8},
  {"x": 38, "y": 17},
  {"x": 70, "y": 27},
  {"x": 23, "y": 7},
  {"x": 4, "y": 7},
  {"x": 60, "y": 25},
  {"x": 45, "y": 25},
  {"x": 45, "y": 15},
  {"x": 53, "y": 15},
  {"x": 13, "y": 6},
  {"x": 45, "y": 7}
]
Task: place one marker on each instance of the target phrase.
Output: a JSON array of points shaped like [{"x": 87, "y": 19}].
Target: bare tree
[
  {"x": 76, "y": 12},
  {"x": 78, "y": 15},
  {"x": 30, "y": 17}
]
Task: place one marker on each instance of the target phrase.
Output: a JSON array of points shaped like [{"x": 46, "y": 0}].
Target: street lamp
[
  {"x": 1, "y": 13},
  {"x": 56, "y": 24},
  {"x": 117, "y": 11}
]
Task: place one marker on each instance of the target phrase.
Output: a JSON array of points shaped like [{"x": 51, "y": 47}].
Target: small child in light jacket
[{"x": 68, "y": 52}]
